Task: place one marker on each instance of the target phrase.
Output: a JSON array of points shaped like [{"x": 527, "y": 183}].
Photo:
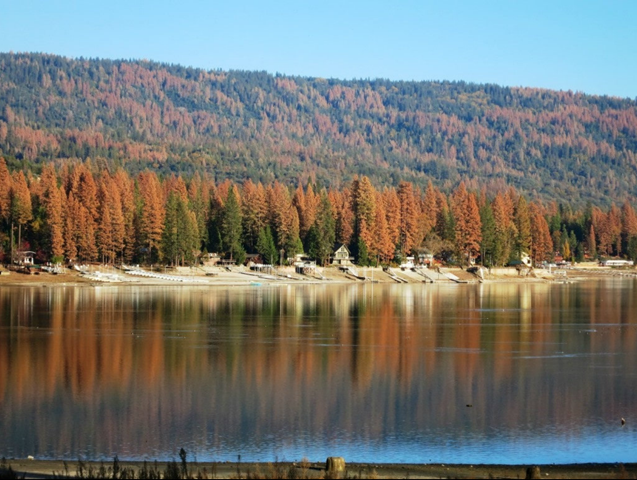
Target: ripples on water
[{"x": 374, "y": 373}]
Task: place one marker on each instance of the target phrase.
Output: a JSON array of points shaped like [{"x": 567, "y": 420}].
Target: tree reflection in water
[{"x": 142, "y": 371}]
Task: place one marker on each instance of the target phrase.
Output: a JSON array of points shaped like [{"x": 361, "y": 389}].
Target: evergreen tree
[
  {"x": 266, "y": 247},
  {"x": 505, "y": 231},
  {"x": 363, "y": 254},
  {"x": 5, "y": 191},
  {"x": 343, "y": 215},
  {"x": 180, "y": 238},
  {"x": 170, "y": 234},
  {"x": 392, "y": 212},
  {"x": 523, "y": 227},
  {"x": 21, "y": 207},
  {"x": 198, "y": 203},
  {"x": 631, "y": 249},
  {"x": 152, "y": 211},
  {"x": 592, "y": 244},
  {"x": 52, "y": 201},
  {"x": 488, "y": 234},
  {"x": 468, "y": 227},
  {"x": 292, "y": 241},
  {"x": 381, "y": 247},
  {"x": 322, "y": 235},
  {"x": 566, "y": 251},
  {"x": 255, "y": 212},
  {"x": 541, "y": 242},
  {"x": 363, "y": 206},
  {"x": 231, "y": 227},
  {"x": 126, "y": 189},
  {"x": 409, "y": 215},
  {"x": 629, "y": 225}
]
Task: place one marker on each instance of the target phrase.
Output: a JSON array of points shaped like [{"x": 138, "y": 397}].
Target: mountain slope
[{"x": 549, "y": 144}]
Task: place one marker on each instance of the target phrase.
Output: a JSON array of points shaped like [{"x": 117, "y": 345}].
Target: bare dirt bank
[
  {"x": 242, "y": 276},
  {"x": 60, "y": 469}
]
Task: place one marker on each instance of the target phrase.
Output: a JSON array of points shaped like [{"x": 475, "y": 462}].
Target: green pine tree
[
  {"x": 266, "y": 246},
  {"x": 231, "y": 228}
]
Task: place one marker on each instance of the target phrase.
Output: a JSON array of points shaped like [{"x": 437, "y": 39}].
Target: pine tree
[
  {"x": 52, "y": 201},
  {"x": 381, "y": 245},
  {"x": 266, "y": 247},
  {"x": 392, "y": 213},
  {"x": 614, "y": 223},
  {"x": 105, "y": 243},
  {"x": 541, "y": 242},
  {"x": 255, "y": 212},
  {"x": 279, "y": 205},
  {"x": 523, "y": 227},
  {"x": 566, "y": 251},
  {"x": 409, "y": 215},
  {"x": 152, "y": 211},
  {"x": 629, "y": 225},
  {"x": 126, "y": 189},
  {"x": 198, "y": 197},
  {"x": 592, "y": 244},
  {"x": 363, "y": 206},
  {"x": 468, "y": 227},
  {"x": 170, "y": 234},
  {"x": 343, "y": 214},
  {"x": 505, "y": 231},
  {"x": 85, "y": 235},
  {"x": 430, "y": 207},
  {"x": 231, "y": 227},
  {"x": 111, "y": 223},
  {"x": 292, "y": 243},
  {"x": 488, "y": 234},
  {"x": 6, "y": 184},
  {"x": 21, "y": 207},
  {"x": 322, "y": 235},
  {"x": 306, "y": 203},
  {"x": 71, "y": 214}
]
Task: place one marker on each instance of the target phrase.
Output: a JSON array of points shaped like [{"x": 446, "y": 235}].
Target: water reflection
[{"x": 364, "y": 371}]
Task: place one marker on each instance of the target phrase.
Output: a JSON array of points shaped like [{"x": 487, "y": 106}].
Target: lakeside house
[
  {"x": 25, "y": 258},
  {"x": 616, "y": 263},
  {"x": 342, "y": 256}
]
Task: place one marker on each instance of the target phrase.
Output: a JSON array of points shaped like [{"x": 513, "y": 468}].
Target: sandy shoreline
[
  {"x": 216, "y": 276},
  {"x": 62, "y": 469}
]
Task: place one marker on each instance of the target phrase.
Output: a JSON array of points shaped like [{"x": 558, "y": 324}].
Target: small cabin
[
  {"x": 210, "y": 259},
  {"x": 261, "y": 267},
  {"x": 342, "y": 256},
  {"x": 305, "y": 267},
  {"x": 25, "y": 258}
]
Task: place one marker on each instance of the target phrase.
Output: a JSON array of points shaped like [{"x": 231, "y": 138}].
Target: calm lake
[{"x": 498, "y": 373}]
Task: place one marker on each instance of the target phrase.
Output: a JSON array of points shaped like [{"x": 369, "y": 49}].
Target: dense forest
[
  {"x": 139, "y": 115},
  {"x": 84, "y": 213}
]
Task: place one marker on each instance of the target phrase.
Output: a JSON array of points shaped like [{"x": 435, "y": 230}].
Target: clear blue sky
[{"x": 588, "y": 46}]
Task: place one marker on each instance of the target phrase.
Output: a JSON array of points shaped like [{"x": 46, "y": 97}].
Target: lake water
[{"x": 505, "y": 373}]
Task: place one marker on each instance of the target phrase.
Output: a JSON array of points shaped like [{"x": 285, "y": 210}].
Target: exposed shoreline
[
  {"x": 219, "y": 277},
  {"x": 67, "y": 469}
]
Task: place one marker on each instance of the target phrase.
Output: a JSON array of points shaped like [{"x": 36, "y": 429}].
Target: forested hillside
[{"x": 236, "y": 125}]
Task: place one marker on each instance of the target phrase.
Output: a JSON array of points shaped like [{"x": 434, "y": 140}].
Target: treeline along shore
[{"x": 78, "y": 213}]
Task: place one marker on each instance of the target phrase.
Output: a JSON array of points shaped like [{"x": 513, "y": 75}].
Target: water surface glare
[{"x": 498, "y": 373}]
